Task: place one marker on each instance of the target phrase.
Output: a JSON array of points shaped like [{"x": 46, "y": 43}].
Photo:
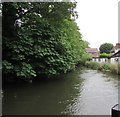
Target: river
[{"x": 79, "y": 92}]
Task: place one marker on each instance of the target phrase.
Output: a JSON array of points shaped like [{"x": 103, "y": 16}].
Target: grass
[
  {"x": 108, "y": 67},
  {"x": 115, "y": 68},
  {"x": 92, "y": 64}
]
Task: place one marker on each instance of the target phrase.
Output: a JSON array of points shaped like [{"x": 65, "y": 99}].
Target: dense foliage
[
  {"x": 106, "y": 48},
  {"x": 106, "y": 67},
  {"x": 104, "y": 55},
  {"x": 40, "y": 39},
  {"x": 85, "y": 57}
]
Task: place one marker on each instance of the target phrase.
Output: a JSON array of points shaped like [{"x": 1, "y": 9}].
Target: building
[
  {"x": 116, "y": 48},
  {"x": 93, "y": 51},
  {"x": 115, "y": 58}
]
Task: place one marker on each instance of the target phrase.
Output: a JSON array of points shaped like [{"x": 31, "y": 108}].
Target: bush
[
  {"x": 105, "y": 66},
  {"x": 115, "y": 68},
  {"x": 92, "y": 64},
  {"x": 104, "y": 55},
  {"x": 85, "y": 57}
]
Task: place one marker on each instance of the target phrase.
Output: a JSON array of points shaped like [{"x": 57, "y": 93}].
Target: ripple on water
[{"x": 77, "y": 93}]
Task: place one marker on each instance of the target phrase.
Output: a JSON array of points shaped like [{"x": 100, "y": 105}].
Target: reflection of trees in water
[
  {"x": 54, "y": 95},
  {"x": 71, "y": 93}
]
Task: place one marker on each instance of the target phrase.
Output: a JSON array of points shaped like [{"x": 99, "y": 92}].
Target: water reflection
[
  {"x": 79, "y": 92},
  {"x": 98, "y": 95}
]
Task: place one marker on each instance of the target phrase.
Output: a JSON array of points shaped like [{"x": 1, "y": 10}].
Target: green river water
[{"x": 79, "y": 92}]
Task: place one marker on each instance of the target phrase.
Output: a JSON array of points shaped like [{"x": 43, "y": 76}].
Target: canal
[{"x": 80, "y": 92}]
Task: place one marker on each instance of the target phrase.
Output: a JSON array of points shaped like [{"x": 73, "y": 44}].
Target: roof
[
  {"x": 117, "y": 45},
  {"x": 95, "y": 55},
  {"x": 113, "y": 50},
  {"x": 93, "y": 51},
  {"x": 117, "y": 54}
]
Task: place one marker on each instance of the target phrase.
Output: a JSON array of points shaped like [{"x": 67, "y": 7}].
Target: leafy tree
[
  {"x": 40, "y": 39},
  {"x": 106, "y": 48},
  {"x": 86, "y": 44}
]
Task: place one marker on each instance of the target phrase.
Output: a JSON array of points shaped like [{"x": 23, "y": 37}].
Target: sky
[{"x": 98, "y": 21}]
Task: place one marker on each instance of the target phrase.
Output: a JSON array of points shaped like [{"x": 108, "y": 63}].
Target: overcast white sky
[{"x": 98, "y": 21}]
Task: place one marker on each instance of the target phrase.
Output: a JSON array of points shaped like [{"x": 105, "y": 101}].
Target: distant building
[
  {"x": 115, "y": 58},
  {"x": 93, "y": 51},
  {"x": 115, "y": 49}
]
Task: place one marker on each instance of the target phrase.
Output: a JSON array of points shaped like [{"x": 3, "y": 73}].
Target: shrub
[
  {"x": 115, "y": 68},
  {"x": 92, "y": 64},
  {"x": 85, "y": 57},
  {"x": 105, "y": 66},
  {"x": 104, "y": 55}
]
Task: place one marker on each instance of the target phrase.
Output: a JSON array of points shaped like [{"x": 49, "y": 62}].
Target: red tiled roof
[
  {"x": 95, "y": 55},
  {"x": 93, "y": 51}
]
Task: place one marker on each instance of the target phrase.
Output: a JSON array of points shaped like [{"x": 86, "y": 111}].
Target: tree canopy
[
  {"x": 106, "y": 48},
  {"x": 40, "y": 38}
]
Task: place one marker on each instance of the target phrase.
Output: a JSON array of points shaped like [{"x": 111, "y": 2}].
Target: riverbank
[{"x": 106, "y": 67}]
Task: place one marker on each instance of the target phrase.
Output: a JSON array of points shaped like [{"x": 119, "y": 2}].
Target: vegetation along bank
[
  {"x": 107, "y": 67},
  {"x": 40, "y": 39}
]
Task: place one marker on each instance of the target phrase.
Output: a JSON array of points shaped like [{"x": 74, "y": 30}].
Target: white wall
[
  {"x": 115, "y": 60},
  {"x": 112, "y": 60},
  {"x": 100, "y": 60}
]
